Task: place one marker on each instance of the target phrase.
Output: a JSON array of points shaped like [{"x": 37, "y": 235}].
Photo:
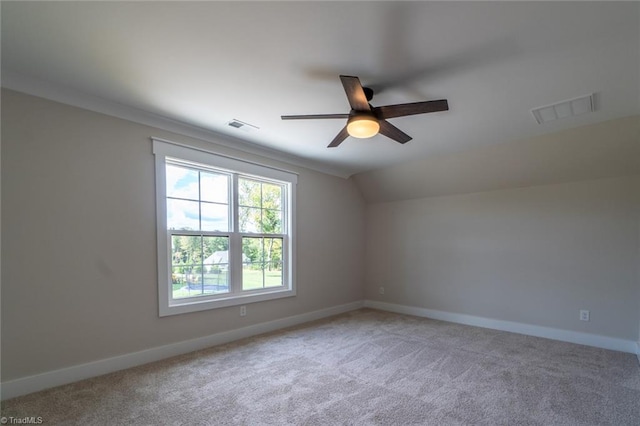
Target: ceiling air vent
[
  {"x": 564, "y": 109},
  {"x": 242, "y": 125}
]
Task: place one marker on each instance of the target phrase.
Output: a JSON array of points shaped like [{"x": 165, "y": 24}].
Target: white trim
[
  {"x": 25, "y": 385},
  {"x": 595, "y": 340},
  {"x": 73, "y": 97},
  {"x": 638, "y": 351},
  {"x": 162, "y": 150},
  {"x": 165, "y": 147}
]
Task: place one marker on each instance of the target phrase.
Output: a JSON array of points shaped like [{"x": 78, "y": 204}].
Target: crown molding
[{"x": 73, "y": 97}]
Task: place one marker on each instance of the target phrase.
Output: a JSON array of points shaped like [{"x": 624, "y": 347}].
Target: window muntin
[
  {"x": 260, "y": 206},
  {"x": 263, "y": 268},
  {"x": 199, "y": 265},
  {"x": 228, "y": 231},
  {"x": 200, "y": 261},
  {"x": 197, "y": 199}
]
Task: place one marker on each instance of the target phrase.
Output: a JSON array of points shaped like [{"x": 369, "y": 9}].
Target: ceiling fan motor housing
[{"x": 368, "y": 93}]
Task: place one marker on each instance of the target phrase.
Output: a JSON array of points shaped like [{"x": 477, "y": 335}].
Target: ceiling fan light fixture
[
  {"x": 365, "y": 121},
  {"x": 363, "y": 126}
]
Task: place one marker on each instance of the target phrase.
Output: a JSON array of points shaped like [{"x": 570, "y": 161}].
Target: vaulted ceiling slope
[
  {"x": 205, "y": 63},
  {"x": 602, "y": 150}
]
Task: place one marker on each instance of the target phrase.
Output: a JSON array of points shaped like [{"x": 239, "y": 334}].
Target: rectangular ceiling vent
[
  {"x": 564, "y": 109},
  {"x": 242, "y": 125}
]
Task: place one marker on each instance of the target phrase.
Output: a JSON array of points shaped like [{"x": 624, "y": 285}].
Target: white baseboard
[
  {"x": 515, "y": 327},
  {"x": 25, "y": 385}
]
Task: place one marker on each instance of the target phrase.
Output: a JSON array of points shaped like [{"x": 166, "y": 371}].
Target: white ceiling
[{"x": 205, "y": 63}]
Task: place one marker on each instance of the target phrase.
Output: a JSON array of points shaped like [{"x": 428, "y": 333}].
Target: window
[{"x": 225, "y": 230}]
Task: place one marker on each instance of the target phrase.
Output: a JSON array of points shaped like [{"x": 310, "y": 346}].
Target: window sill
[{"x": 184, "y": 307}]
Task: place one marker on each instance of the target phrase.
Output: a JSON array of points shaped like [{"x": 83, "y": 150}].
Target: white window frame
[{"x": 164, "y": 150}]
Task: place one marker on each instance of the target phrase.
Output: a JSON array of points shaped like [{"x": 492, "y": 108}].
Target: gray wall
[
  {"x": 79, "y": 279},
  {"x": 533, "y": 255},
  {"x": 79, "y": 265},
  {"x": 597, "y": 151}
]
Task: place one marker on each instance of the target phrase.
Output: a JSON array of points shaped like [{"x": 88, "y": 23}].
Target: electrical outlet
[
  {"x": 381, "y": 290},
  {"x": 584, "y": 315},
  {"x": 243, "y": 310}
]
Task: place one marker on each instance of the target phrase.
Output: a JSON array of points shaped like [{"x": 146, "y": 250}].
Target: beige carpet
[{"x": 365, "y": 367}]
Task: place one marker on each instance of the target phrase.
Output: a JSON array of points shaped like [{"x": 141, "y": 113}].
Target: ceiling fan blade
[
  {"x": 355, "y": 93},
  {"x": 339, "y": 138},
  {"x": 313, "y": 116},
  {"x": 400, "y": 110},
  {"x": 391, "y": 131}
]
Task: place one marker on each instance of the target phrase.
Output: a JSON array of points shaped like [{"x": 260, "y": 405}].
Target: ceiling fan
[{"x": 365, "y": 121}]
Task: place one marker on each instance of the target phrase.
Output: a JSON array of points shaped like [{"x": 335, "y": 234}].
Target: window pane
[
  {"x": 272, "y": 249},
  {"x": 271, "y": 222},
  {"x": 186, "y": 250},
  {"x": 262, "y": 263},
  {"x": 183, "y": 215},
  {"x": 249, "y": 193},
  {"x": 273, "y": 274},
  {"x": 216, "y": 265},
  {"x": 182, "y": 182},
  {"x": 271, "y": 196},
  {"x": 185, "y": 281},
  {"x": 250, "y": 219},
  {"x": 261, "y": 275},
  {"x": 214, "y": 187},
  {"x": 215, "y": 244},
  {"x": 215, "y": 217},
  {"x": 252, "y": 277},
  {"x": 252, "y": 249},
  {"x": 273, "y": 262},
  {"x": 252, "y": 265},
  {"x": 186, "y": 270},
  {"x": 200, "y": 265}
]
